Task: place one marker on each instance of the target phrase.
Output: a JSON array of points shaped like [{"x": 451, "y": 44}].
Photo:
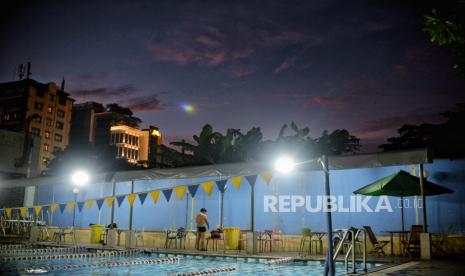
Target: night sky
[{"x": 361, "y": 65}]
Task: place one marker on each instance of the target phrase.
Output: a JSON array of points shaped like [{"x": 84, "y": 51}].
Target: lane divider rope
[
  {"x": 43, "y": 250},
  {"x": 73, "y": 256},
  {"x": 103, "y": 265},
  {"x": 280, "y": 261},
  {"x": 207, "y": 272}
]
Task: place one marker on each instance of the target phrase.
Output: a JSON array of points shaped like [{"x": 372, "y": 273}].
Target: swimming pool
[{"x": 186, "y": 264}]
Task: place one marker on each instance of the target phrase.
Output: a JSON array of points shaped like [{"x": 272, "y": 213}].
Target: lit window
[
  {"x": 50, "y": 109},
  {"x": 59, "y": 125},
  {"x": 38, "y": 106},
  {"x": 48, "y": 122},
  {"x": 46, "y": 147},
  {"x": 58, "y": 137},
  {"x": 47, "y": 134}
]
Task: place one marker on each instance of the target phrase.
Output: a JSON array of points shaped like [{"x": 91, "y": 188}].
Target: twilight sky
[{"x": 361, "y": 65}]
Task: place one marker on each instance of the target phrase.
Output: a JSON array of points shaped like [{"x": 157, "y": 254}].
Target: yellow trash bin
[
  {"x": 231, "y": 237},
  {"x": 96, "y": 231}
]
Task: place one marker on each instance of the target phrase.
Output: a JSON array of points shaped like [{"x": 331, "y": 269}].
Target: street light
[
  {"x": 80, "y": 178},
  {"x": 284, "y": 164}
]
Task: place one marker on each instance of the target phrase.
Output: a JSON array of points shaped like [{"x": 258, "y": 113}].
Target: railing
[{"x": 351, "y": 252}]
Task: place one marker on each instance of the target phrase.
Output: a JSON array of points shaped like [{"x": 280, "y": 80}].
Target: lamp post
[
  {"x": 285, "y": 165},
  {"x": 79, "y": 179},
  {"x": 75, "y": 193}
]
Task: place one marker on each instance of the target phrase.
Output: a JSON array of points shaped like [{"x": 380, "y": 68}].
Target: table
[{"x": 401, "y": 238}]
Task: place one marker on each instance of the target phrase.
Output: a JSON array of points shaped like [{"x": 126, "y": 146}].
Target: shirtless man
[{"x": 201, "y": 221}]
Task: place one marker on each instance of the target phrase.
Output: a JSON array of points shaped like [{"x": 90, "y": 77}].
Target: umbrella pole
[
  {"x": 422, "y": 183},
  {"x": 402, "y": 215}
]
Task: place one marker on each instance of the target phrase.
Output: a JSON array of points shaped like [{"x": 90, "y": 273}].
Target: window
[
  {"x": 47, "y": 134},
  {"x": 35, "y": 131},
  {"x": 58, "y": 137},
  {"x": 62, "y": 100},
  {"x": 51, "y": 97},
  {"x": 137, "y": 155},
  {"x": 46, "y": 147},
  {"x": 60, "y": 113},
  {"x": 59, "y": 125},
  {"x": 38, "y": 106},
  {"x": 38, "y": 119},
  {"x": 6, "y": 116},
  {"x": 48, "y": 122},
  {"x": 49, "y": 109}
]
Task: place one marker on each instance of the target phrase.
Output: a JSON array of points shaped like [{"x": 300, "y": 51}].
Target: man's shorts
[{"x": 202, "y": 229}]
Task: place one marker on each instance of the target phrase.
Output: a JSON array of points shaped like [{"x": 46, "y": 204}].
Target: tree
[
  {"x": 445, "y": 139},
  {"x": 122, "y": 116},
  {"x": 445, "y": 32}
]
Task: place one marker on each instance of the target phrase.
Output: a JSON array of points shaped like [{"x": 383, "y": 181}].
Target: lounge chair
[
  {"x": 411, "y": 247},
  {"x": 377, "y": 245}
]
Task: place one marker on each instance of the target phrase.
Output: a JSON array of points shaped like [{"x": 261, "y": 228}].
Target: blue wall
[{"x": 441, "y": 210}]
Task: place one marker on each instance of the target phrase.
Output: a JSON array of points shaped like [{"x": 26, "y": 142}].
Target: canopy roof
[
  {"x": 383, "y": 159},
  {"x": 401, "y": 184}
]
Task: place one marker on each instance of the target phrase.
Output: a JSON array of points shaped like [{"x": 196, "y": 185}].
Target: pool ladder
[{"x": 351, "y": 252}]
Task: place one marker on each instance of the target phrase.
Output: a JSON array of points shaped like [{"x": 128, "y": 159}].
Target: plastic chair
[
  {"x": 306, "y": 238},
  {"x": 215, "y": 239}
]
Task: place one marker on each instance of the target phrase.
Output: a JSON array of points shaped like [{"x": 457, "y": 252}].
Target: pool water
[{"x": 244, "y": 266}]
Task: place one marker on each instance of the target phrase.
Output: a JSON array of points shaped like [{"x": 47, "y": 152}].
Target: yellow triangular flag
[
  {"x": 53, "y": 207},
  {"x": 155, "y": 195},
  {"x": 208, "y": 187},
  {"x": 89, "y": 203},
  {"x": 70, "y": 206},
  {"x": 37, "y": 210},
  {"x": 131, "y": 199},
  {"x": 236, "y": 181},
  {"x": 23, "y": 212},
  {"x": 8, "y": 212},
  {"x": 110, "y": 201},
  {"x": 266, "y": 177},
  {"x": 180, "y": 191}
]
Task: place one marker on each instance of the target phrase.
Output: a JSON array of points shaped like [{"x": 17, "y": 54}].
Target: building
[
  {"x": 43, "y": 110},
  {"x": 92, "y": 124}
]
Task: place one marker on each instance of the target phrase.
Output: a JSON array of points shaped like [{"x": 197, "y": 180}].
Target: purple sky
[{"x": 361, "y": 65}]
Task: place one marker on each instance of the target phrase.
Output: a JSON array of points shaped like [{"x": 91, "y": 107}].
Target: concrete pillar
[
  {"x": 130, "y": 239},
  {"x": 425, "y": 246},
  {"x": 251, "y": 241},
  {"x": 29, "y": 196}
]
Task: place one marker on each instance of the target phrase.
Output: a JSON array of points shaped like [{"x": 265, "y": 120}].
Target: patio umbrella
[{"x": 401, "y": 184}]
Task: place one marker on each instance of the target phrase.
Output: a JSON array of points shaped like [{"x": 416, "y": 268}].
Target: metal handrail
[{"x": 351, "y": 249}]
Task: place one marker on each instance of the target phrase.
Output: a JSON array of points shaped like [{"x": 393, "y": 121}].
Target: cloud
[
  {"x": 241, "y": 71},
  {"x": 103, "y": 92},
  {"x": 145, "y": 103},
  {"x": 282, "y": 67},
  {"x": 388, "y": 125}
]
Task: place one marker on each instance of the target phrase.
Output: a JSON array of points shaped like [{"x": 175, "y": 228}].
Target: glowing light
[
  {"x": 75, "y": 191},
  {"x": 155, "y": 132},
  {"x": 80, "y": 178},
  {"x": 284, "y": 165},
  {"x": 187, "y": 107}
]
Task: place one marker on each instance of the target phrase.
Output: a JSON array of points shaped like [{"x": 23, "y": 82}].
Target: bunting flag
[
  {"x": 142, "y": 198},
  {"x": 251, "y": 179},
  {"x": 8, "y": 212},
  {"x": 131, "y": 198},
  {"x": 70, "y": 206},
  {"x": 110, "y": 201},
  {"x": 89, "y": 203},
  {"x": 62, "y": 207},
  {"x": 193, "y": 189},
  {"x": 53, "y": 208},
  {"x": 99, "y": 203},
  {"x": 120, "y": 200},
  {"x": 23, "y": 212},
  {"x": 221, "y": 184},
  {"x": 80, "y": 205},
  {"x": 180, "y": 191},
  {"x": 155, "y": 195},
  {"x": 266, "y": 177},
  {"x": 167, "y": 193},
  {"x": 208, "y": 187},
  {"x": 37, "y": 210},
  {"x": 236, "y": 181}
]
